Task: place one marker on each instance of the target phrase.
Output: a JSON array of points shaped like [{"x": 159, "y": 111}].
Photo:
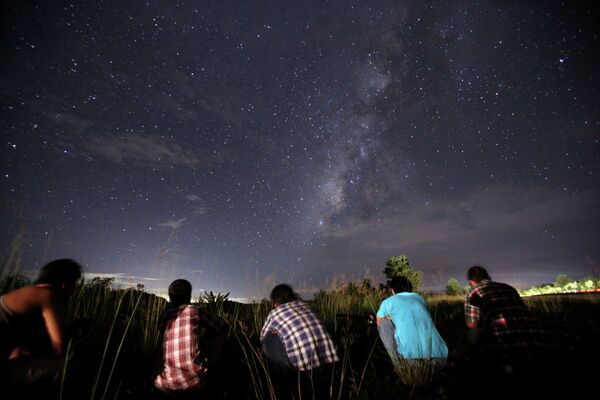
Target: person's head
[
  {"x": 400, "y": 284},
  {"x": 282, "y": 294},
  {"x": 63, "y": 273},
  {"x": 180, "y": 291},
  {"x": 476, "y": 274}
]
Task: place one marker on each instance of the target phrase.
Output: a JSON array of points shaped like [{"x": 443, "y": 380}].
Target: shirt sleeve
[
  {"x": 383, "y": 309},
  {"x": 266, "y": 327},
  {"x": 472, "y": 312}
]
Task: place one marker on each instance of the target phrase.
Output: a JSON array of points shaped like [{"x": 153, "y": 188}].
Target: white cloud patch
[
  {"x": 199, "y": 210},
  {"x": 174, "y": 224},
  {"x": 198, "y": 205},
  {"x": 144, "y": 149},
  {"x": 72, "y": 122},
  {"x": 119, "y": 278}
]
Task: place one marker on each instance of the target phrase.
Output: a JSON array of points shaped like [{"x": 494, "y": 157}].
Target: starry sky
[{"x": 239, "y": 144}]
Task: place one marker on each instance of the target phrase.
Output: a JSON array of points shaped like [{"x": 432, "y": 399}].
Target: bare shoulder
[{"x": 27, "y": 298}]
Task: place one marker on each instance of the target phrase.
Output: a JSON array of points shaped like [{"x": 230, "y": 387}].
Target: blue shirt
[{"x": 415, "y": 333}]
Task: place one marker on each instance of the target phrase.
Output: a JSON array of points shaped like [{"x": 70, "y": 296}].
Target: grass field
[{"x": 114, "y": 355}]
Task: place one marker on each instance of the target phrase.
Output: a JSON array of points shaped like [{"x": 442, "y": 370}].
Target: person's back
[
  {"x": 181, "y": 371},
  {"x": 510, "y": 348},
  {"x": 188, "y": 343},
  {"x": 415, "y": 333},
  {"x": 306, "y": 341},
  {"x": 22, "y": 327},
  {"x": 511, "y": 332},
  {"x": 407, "y": 330},
  {"x": 298, "y": 348},
  {"x": 32, "y": 328}
]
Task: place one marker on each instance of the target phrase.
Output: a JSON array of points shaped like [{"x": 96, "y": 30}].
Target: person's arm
[
  {"x": 266, "y": 327},
  {"x": 54, "y": 315},
  {"x": 382, "y": 313},
  {"x": 472, "y": 325},
  {"x": 472, "y": 312},
  {"x": 18, "y": 352}
]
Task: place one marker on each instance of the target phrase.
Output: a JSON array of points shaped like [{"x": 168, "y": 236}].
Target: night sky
[{"x": 241, "y": 144}]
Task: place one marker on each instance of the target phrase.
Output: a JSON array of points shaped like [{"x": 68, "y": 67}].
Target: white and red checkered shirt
[{"x": 181, "y": 370}]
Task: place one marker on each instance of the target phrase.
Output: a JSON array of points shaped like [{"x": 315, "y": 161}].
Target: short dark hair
[
  {"x": 63, "y": 270},
  {"x": 477, "y": 274},
  {"x": 282, "y": 294},
  {"x": 400, "y": 284},
  {"x": 180, "y": 291}
]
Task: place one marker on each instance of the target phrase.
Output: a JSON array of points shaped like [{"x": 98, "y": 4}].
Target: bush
[{"x": 454, "y": 288}]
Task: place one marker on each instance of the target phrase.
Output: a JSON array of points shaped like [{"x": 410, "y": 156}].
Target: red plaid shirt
[
  {"x": 184, "y": 368},
  {"x": 511, "y": 331}
]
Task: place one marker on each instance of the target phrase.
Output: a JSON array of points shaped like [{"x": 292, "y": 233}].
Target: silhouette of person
[
  {"x": 32, "y": 329},
  {"x": 192, "y": 341},
  {"x": 509, "y": 345},
  {"x": 295, "y": 343}
]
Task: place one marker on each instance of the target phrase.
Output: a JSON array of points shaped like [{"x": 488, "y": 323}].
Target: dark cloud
[{"x": 510, "y": 229}]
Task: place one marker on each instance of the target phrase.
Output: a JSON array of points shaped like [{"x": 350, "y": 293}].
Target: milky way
[{"x": 239, "y": 144}]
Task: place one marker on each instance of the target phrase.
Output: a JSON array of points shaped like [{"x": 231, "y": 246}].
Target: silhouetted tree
[{"x": 399, "y": 266}]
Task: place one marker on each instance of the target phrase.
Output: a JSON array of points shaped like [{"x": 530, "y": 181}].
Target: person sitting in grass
[
  {"x": 510, "y": 350},
  {"x": 33, "y": 330},
  {"x": 406, "y": 328},
  {"x": 295, "y": 343},
  {"x": 192, "y": 343},
  {"x": 501, "y": 329}
]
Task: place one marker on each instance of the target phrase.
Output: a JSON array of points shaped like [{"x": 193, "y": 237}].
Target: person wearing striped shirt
[{"x": 293, "y": 338}]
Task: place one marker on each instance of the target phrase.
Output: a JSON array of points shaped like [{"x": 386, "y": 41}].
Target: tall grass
[
  {"x": 262, "y": 386},
  {"x": 120, "y": 321},
  {"x": 115, "y": 357}
]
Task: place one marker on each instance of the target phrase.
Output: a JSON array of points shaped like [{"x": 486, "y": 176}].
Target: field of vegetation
[{"x": 115, "y": 337}]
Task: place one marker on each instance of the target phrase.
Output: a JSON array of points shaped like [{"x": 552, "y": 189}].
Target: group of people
[{"x": 294, "y": 342}]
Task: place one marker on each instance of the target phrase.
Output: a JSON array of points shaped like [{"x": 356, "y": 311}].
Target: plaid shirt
[
  {"x": 511, "y": 331},
  {"x": 306, "y": 341},
  {"x": 184, "y": 366}
]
